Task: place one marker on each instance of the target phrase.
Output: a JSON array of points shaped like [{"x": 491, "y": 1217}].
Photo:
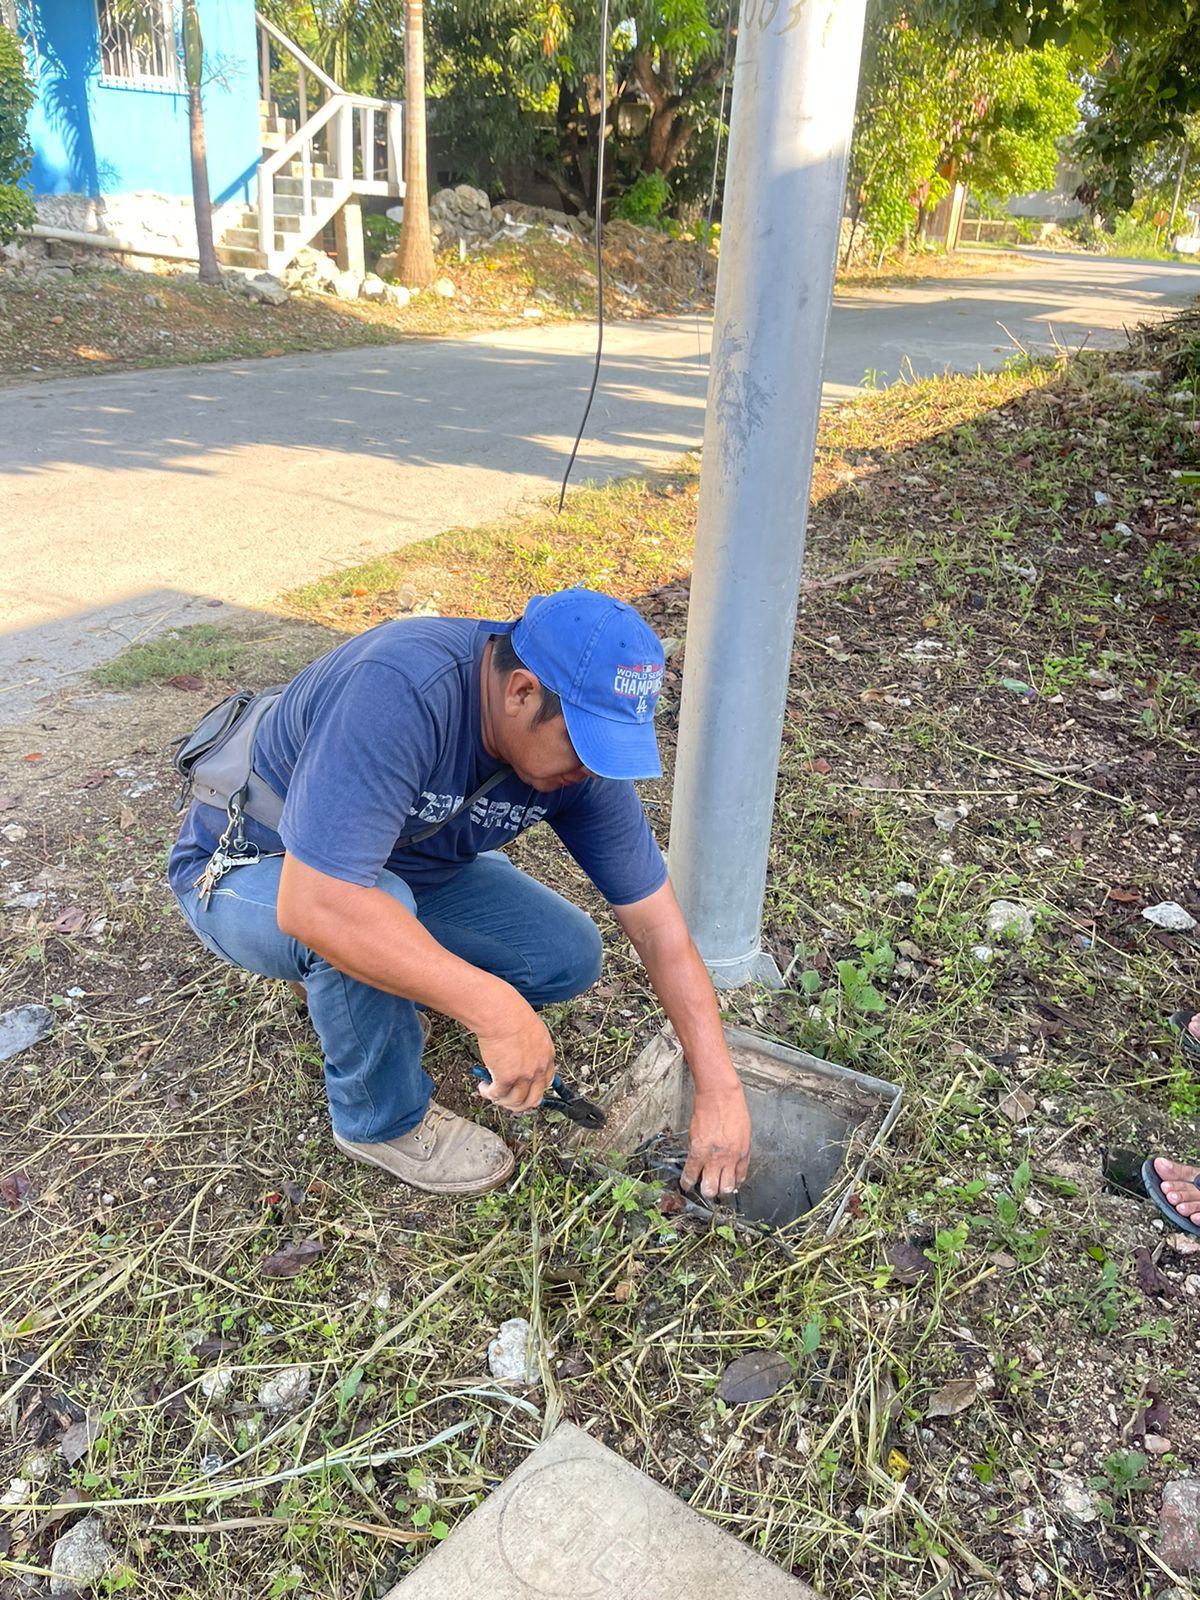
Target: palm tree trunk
[
  {"x": 193, "y": 54},
  {"x": 414, "y": 250}
]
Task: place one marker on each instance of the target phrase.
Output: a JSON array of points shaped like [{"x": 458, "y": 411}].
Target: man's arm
[
  {"x": 368, "y": 935},
  {"x": 719, "y": 1142}
]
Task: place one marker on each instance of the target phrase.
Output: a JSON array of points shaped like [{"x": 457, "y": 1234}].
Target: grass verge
[{"x": 994, "y": 695}]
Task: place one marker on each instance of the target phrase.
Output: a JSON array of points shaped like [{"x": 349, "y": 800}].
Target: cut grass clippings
[{"x": 994, "y": 695}]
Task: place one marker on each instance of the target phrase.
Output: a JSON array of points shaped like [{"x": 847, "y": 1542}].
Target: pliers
[{"x": 562, "y": 1097}]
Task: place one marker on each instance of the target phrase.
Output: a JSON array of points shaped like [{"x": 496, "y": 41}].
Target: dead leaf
[
  {"x": 1016, "y": 1106},
  {"x": 14, "y": 1190},
  {"x": 879, "y": 780},
  {"x": 1124, "y": 897},
  {"x": 93, "y": 780},
  {"x": 34, "y": 755},
  {"x": 756, "y": 1376},
  {"x": 79, "y": 1439},
  {"x": 72, "y": 919},
  {"x": 1147, "y": 1276},
  {"x": 622, "y": 1292},
  {"x": 291, "y": 1259},
  {"x": 671, "y": 1203},
  {"x": 208, "y": 1348},
  {"x": 953, "y": 1398},
  {"x": 66, "y": 1499},
  {"x": 185, "y": 680},
  {"x": 127, "y": 818},
  {"x": 908, "y": 1261},
  {"x": 821, "y": 765}
]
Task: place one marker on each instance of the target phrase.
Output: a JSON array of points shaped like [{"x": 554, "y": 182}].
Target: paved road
[{"x": 139, "y": 501}]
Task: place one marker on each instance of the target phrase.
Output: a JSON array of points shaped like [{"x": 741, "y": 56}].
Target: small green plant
[
  {"x": 643, "y": 202},
  {"x": 1122, "y": 1476}
]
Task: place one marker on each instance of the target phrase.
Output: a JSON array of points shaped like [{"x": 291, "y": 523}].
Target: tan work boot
[{"x": 443, "y": 1154}]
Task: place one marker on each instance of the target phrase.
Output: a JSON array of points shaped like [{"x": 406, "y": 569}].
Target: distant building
[{"x": 109, "y": 128}]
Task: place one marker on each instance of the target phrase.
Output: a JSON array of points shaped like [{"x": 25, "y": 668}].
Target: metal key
[{"x": 215, "y": 868}]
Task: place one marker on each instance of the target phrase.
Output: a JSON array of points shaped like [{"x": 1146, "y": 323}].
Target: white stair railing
[{"x": 345, "y": 136}]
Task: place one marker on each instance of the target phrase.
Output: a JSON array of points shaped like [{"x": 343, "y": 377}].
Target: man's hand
[
  {"x": 718, "y": 1142},
  {"x": 519, "y": 1054}
]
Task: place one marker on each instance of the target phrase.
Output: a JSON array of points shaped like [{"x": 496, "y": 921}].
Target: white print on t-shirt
[
  {"x": 503, "y": 814},
  {"x": 484, "y": 813},
  {"x": 436, "y": 807}
]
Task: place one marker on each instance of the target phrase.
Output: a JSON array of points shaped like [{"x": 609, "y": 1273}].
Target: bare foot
[
  {"x": 1193, "y": 1026},
  {"x": 1179, "y": 1186}
]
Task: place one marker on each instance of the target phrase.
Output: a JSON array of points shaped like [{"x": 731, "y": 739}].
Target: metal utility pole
[{"x": 794, "y": 86}]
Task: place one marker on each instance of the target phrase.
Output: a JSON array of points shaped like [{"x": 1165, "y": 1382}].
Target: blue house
[{"x": 288, "y": 149}]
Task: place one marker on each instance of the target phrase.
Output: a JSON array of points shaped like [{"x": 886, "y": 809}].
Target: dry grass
[{"x": 173, "y": 1129}]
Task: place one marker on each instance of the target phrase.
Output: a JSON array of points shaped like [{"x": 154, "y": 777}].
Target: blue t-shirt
[{"x": 380, "y": 738}]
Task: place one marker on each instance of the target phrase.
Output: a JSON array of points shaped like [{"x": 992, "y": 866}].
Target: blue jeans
[{"x": 489, "y": 913}]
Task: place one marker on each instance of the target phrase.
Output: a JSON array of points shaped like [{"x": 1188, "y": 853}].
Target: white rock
[
  {"x": 511, "y": 1353},
  {"x": 1170, "y": 916},
  {"x": 445, "y": 289},
  {"x": 905, "y": 890},
  {"x": 1077, "y": 1502},
  {"x": 23, "y": 1025},
  {"x": 39, "y": 1464},
  {"x": 14, "y": 832},
  {"x": 373, "y": 288},
  {"x": 286, "y": 1389},
  {"x": 81, "y": 1558},
  {"x": 982, "y": 952},
  {"x": 1100, "y": 497},
  {"x": 18, "y": 1491},
  {"x": 397, "y": 295},
  {"x": 949, "y": 817},
  {"x": 215, "y": 1385},
  {"x": 267, "y": 289},
  {"x": 1008, "y": 919},
  {"x": 346, "y": 285}
]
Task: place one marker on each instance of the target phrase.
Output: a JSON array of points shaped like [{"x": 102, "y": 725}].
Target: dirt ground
[{"x": 994, "y": 695}]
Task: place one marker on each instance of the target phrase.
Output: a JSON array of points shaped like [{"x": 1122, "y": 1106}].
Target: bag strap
[{"x": 484, "y": 788}]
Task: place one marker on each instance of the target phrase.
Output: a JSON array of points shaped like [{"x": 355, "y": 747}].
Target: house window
[{"x": 138, "y": 43}]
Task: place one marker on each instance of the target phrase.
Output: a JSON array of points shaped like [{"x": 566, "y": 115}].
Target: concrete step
[
  {"x": 278, "y": 124},
  {"x": 237, "y": 256},
  {"x": 295, "y": 169},
  {"x": 322, "y": 188},
  {"x": 286, "y": 206},
  {"x": 247, "y": 239}
]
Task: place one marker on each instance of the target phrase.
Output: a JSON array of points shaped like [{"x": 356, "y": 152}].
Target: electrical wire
[{"x": 587, "y": 410}]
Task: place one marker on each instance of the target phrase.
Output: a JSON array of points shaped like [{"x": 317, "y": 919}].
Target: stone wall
[{"x": 148, "y": 220}]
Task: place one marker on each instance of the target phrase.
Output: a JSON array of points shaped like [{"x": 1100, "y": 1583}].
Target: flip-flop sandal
[
  {"x": 1154, "y": 1189},
  {"x": 1187, "y": 1040}
]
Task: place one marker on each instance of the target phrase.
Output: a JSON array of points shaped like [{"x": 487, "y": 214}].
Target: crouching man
[{"x": 406, "y": 759}]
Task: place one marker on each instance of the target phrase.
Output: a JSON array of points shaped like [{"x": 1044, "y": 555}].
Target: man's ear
[{"x": 522, "y": 692}]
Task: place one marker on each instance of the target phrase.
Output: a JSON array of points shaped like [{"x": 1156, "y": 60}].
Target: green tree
[
  {"x": 1032, "y": 108},
  {"x": 351, "y": 40},
  {"x": 16, "y": 157},
  {"x": 519, "y": 84},
  {"x": 935, "y": 108}
]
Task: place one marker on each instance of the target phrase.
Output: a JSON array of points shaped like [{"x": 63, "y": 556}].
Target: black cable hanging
[{"x": 587, "y": 410}]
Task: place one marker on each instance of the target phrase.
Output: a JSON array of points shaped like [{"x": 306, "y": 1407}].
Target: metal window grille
[{"x": 139, "y": 43}]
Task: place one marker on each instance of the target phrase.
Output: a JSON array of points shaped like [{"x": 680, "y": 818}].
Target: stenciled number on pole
[{"x": 763, "y": 14}]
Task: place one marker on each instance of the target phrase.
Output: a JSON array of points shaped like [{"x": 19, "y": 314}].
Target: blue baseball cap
[{"x": 606, "y": 666}]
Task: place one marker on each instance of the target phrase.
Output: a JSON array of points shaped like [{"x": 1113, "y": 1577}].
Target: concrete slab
[{"x": 575, "y": 1521}]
